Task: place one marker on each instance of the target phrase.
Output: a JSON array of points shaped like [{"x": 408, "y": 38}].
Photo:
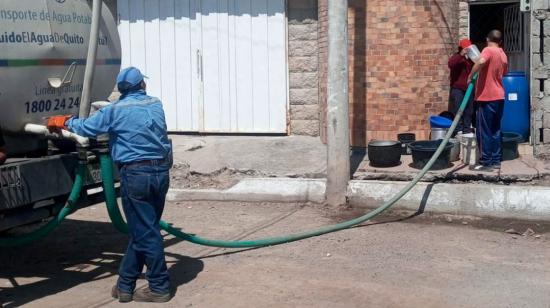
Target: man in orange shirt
[{"x": 492, "y": 66}]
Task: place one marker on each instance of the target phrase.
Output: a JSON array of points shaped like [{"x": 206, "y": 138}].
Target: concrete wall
[
  {"x": 540, "y": 73},
  {"x": 463, "y": 19},
  {"x": 303, "y": 66}
]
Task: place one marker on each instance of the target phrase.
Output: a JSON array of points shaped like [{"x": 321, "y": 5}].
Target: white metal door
[
  {"x": 217, "y": 65},
  {"x": 161, "y": 37}
]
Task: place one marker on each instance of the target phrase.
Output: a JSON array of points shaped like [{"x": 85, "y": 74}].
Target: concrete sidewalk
[
  {"x": 221, "y": 161},
  {"x": 294, "y": 156},
  {"x": 523, "y": 169},
  {"x": 292, "y": 169}
]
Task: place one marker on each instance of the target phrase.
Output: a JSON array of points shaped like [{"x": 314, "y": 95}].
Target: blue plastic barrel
[{"x": 516, "y": 116}]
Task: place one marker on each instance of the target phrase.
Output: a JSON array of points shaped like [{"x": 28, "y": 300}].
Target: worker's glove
[{"x": 57, "y": 123}]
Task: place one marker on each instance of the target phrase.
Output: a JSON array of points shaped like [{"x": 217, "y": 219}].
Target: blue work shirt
[{"x": 136, "y": 126}]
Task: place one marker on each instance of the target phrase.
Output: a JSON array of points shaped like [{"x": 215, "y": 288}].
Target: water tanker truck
[{"x": 44, "y": 66}]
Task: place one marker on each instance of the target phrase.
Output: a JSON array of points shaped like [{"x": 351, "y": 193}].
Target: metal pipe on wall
[{"x": 85, "y": 104}]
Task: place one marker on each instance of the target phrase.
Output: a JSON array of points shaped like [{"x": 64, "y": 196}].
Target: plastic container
[
  {"x": 510, "y": 142},
  {"x": 384, "y": 153},
  {"x": 440, "y": 122},
  {"x": 406, "y": 139},
  {"x": 473, "y": 53},
  {"x": 468, "y": 149},
  {"x": 516, "y": 116},
  {"x": 422, "y": 152},
  {"x": 455, "y": 151}
]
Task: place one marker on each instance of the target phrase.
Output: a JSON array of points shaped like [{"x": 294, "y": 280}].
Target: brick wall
[
  {"x": 303, "y": 67},
  {"x": 398, "y": 64}
]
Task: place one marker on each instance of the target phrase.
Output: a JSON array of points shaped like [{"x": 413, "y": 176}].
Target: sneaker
[
  {"x": 123, "y": 297},
  {"x": 148, "y": 296},
  {"x": 482, "y": 168},
  {"x": 497, "y": 166}
]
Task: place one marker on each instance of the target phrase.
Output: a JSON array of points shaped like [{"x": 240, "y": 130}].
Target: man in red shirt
[
  {"x": 492, "y": 66},
  {"x": 460, "y": 68}
]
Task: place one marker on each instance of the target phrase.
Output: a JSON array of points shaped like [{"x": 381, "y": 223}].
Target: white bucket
[
  {"x": 455, "y": 151},
  {"x": 469, "y": 150}
]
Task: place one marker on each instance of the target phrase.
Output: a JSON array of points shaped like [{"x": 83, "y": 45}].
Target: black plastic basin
[
  {"x": 384, "y": 153},
  {"x": 510, "y": 145},
  {"x": 422, "y": 151}
]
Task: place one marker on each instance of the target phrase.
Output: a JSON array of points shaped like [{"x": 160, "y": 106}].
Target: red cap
[{"x": 464, "y": 43}]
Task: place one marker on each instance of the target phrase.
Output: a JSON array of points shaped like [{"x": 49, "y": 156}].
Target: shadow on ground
[{"x": 68, "y": 258}]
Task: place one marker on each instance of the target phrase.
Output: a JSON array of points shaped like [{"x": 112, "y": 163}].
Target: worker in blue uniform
[{"x": 140, "y": 147}]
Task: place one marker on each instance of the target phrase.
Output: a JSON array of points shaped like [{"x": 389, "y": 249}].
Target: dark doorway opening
[{"x": 514, "y": 25}]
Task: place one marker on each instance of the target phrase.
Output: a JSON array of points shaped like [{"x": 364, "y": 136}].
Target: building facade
[{"x": 398, "y": 55}]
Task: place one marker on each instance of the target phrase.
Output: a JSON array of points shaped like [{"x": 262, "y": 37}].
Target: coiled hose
[{"x": 119, "y": 223}]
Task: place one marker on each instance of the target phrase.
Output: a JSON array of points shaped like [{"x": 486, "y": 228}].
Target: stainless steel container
[{"x": 438, "y": 133}]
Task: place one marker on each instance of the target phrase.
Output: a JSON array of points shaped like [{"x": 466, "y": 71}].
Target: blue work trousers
[
  {"x": 488, "y": 132},
  {"x": 143, "y": 193}
]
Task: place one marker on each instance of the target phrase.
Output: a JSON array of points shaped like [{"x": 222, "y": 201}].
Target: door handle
[{"x": 199, "y": 64}]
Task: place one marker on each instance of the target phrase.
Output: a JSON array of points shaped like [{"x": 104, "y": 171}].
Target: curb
[
  {"x": 258, "y": 190},
  {"x": 487, "y": 200}
]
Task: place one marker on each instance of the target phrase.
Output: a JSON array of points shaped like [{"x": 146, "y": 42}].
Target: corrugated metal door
[{"x": 218, "y": 65}]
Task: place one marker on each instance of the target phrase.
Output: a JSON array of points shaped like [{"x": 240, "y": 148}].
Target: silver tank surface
[{"x": 43, "y": 48}]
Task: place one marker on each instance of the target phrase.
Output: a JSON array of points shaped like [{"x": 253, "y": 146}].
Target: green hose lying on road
[
  {"x": 10, "y": 241},
  {"x": 119, "y": 223},
  {"x": 114, "y": 212}
]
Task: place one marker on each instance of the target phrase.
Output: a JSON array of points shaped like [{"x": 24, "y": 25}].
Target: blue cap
[{"x": 129, "y": 78}]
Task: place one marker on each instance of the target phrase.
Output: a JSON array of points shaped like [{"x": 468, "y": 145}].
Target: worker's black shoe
[
  {"x": 122, "y": 297},
  {"x": 148, "y": 296}
]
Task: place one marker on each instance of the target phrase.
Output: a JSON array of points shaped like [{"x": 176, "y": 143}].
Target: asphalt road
[{"x": 419, "y": 262}]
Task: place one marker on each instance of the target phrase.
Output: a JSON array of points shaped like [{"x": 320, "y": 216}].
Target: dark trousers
[
  {"x": 488, "y": 133},
  {"x": 143, "y": 193},
  {"x": 455, "y": 99}
]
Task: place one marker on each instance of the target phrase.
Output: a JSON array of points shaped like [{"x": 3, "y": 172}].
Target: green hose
[
  {"x": 12, "y": 241},
  {"x": 106, "y": 166},
  {"x": 116, "y": 217}
]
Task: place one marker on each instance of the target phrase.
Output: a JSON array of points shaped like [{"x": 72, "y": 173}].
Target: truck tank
[{"x": 43, "y": 48}]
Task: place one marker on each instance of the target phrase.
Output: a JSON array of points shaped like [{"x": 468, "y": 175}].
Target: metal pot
[
  {"x": 384, "y": 153},
  {"x": 438, "y": 133}
]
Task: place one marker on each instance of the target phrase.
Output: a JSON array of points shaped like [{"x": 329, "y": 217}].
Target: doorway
[{"x": 514, "y": 24}]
